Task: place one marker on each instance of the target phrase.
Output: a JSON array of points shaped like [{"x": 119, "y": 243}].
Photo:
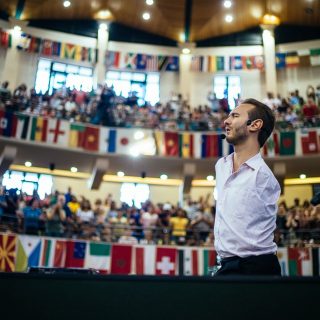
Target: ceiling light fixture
[
  {"x": 227, "y": 4},
  {"x": 66, "y": 4},
  {"x": 120, "y": 174},
  {"x": 149, "y": 2},
  {"x": 210, "y": 178},
  {"x": 163, "y": 177},
  {"x": 16, "y": 28},
  {"x": 28, "y": 164},
  {"x": 74, "y": 169},
  {"x": 186, "y": 50},
  {"x": 302, "y": 176},
  {"x": 270, "y": 20},
  {"x": 146, "y": 16},
  {"x": 229, "y": 18}
]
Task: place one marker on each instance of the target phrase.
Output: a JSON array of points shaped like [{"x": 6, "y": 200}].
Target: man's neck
[{"x": 242, "y": 153}]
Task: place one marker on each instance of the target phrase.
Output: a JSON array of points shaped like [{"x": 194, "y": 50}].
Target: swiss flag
[
  {"x": 166, "y": 261},
  {"x": 121, "y": 259},
  {"x": 171, "y": 140},
  {"x": 76, "y": 251},
  {"x": 309, "y": 141}
]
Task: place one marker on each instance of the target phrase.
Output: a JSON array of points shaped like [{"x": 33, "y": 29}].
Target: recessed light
[
  {"x": 227, "y": 4},
  {"x": 66, "y": 4},
  {"x": 163, "y": 177},
  {"x": 149, "y": 2},
  {"x": 120, "y": 174},
  {"x": 146, "y": 16},
  {"x": 16, "y": 28},
  {"x": 302, "y": 176},
  {"x": 229, "y": 18},
  {"x": 28, "y": 164},
  {"x": 186, "y": 51},
  {"x": 210, "y": 178},
  {"x": 74, "y": 169}
]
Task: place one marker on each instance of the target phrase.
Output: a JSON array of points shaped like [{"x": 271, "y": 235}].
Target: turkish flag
[
  {"x": 121, "y": 259},
  {"x": 166, "y": 261}
]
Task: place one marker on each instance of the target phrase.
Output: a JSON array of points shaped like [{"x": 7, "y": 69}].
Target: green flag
[{"x": 287, "y": 143}]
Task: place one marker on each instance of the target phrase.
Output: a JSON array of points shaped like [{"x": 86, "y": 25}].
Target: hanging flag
[
  {"x": 315, "y": 57},
  {"x": 53, "y": 253},
  {"x": 98, "y": 256},
  {"x": 107, "y": 140},
  {"x": 68, "y": 51},
  {"x": 271, "y": 147},
  {"x": 91, "y": 138},
  {"x": 280, "y": 60},
  {"x": 248, "y": 62},
  {"x": 309, "y": 141},
  {"x": 112, "y": 59},
  {"x": 22, "y": 126},
  {"x": 292, "y": 59},
  {"x": 211, "y": 146},
  {"x": 46, "y": 48},
  {"x": 121, "y": 259},
  {"x": 188, "y": 261},
  {"x": 24, "y": 42},
  {"x": 282, "y": 254},
  {"x": 186, "y": 145},
  {"x": 145, "y": 260},
  {"x": 227, "y": 148},
  {"x": 7, "y": 123},
  {"x": 76, "y": 135},
  {"x": 195, "y": 63},
  {"x": 38, "y": 129},
  {"x": 259, "y": 62},
  {"x": 300, "y": 262},
  {"x": 171, "y": 144},
  {"x": 130, "y": 61},
  {"x": 35, "y": 44},
  {"x": 75, "y": 254},
  {"x": 209, "y": 260},
  {"x": 316, "y": 261},
  {"x": 7, "y": 252},
  {"x": 236, "y": 63},
  {"x": 5, "y": 39},
  {"x": 160, "y": 144},
  {"x": 152, "y": 63},
  {"x": 172, "y": 64},
  {"x": 287, "y": 143},
  {"x": 56, "y": 48},
  {"x": 58, "y": 132},
  {"x": 304, "y": 58},
  {"x": 220, "y": 63},
  {"x": 141, "y": 61},
  {"x": 28, "y": 252},
  {"x": 166, "y": 261},
  {"x": 78, "y": 53},
  {"x": 124, "y": 141},
  {"x": 205, "y": 64}
]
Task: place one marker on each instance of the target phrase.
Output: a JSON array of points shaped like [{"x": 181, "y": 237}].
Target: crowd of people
[
  {"x": 103, "y": 107},
  {"x": 68, "y": 216}
]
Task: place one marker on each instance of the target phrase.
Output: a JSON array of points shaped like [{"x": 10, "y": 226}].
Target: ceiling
[
  {"x": 63, "y": 159},
  {"x": 196, "y": 19}
]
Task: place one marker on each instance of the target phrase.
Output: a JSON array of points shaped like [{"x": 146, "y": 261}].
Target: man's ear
[{"x": 256, "y": 125}]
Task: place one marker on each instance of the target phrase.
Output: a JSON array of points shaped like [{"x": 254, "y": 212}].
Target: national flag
[
  {"x": 209, "y": 260},
  {"x": 188, "y": 261},
  {"x": 211, "y": 146},
  {"x": 22, "y": 125},
  {"x": 292, "y": 59},
  {"x": 121, "y": 259},
  {"x": 58, "y": 132},
  {"x": 28, "y": 252},
  {"x": 76, "y": 135},
  {"x": 227, "y": 148},
  {"x": 92, "y": 55},
  {"x": 160, "y": 144},
  {"x": 315, "y": 57},
  {"x": 195, "y": 63},
  {"x": 35, "y": 44},
  {"x": 91, "y": 138},
  {"x": 304, "y": 58},
  {"x": 204, "y": 64},
  {"x": 130, "y": 61},
  {"x": 113, "y": 59},
  {"x": 107, "y": 140},
  {"x": 98, "y": 256},
  {"x": 300, "y": 262},
  {"x": 78, "y": 53},
  {"x": 236, "y": 63},
  {"x": 5, "y": 39},
  {"x": 68, "y": 51},
  {"x": 172, "y": 64},
  {"x": 309, "y": 141},
  {"x": 287, "y": 143},
  {"x": 7, "y": 123},
  {"x": 271, "y": 147},
  {"x": 54, "y": 252},
  {"x": 282, "y": 255},
  {"x": 316, "y": 261},
  {"x": 186, "y": 145},
  {"x": 38, "y": 129},
  {"x": 125, "y": 141},
  {"x": 76, "y": 251},
  {"x": 7, "y": 252},
  {"x": 171, "y": 144},
  {"x": 145, "y": 257},
  {"x": 280, "y": 60},
  {"x": 259, "y": 62},
  {"x": 152, "y": 63},
  {"x": 220, "y": 63},
  {"x": 141, "y": 61},
  {"x": 46, "y": 49},
  {"x": 24, "y": 42},
  {"x": 248, "y": 62},
  {"x": 56, "y": 48},
  {"x": 166, "y": 261}
]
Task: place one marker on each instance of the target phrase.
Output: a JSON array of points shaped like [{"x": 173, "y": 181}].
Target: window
[
  {"x": 28, "y": 182},
  {"x": 54, "y": 75},
  {"x": 145, "y": 85},
  {"x": 227, "y": 87},
  {"x": 133, "y": 194}
]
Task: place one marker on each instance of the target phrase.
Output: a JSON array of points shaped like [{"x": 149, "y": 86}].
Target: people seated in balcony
[
  {"x": 118, "y": 224},
  {"x": 32, "y": 214},
  {"x": 179, "y": 225},
  {"x": 310, "y": 110},
  {"x": 55, "y": 218},
  {"x": 85, "y": 213},
  {"x": 5, "y": 93}
]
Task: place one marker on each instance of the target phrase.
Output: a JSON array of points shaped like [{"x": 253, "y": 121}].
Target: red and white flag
[
  {"x": 145, "y": 259},
  {"x": 166, "y": 261}
]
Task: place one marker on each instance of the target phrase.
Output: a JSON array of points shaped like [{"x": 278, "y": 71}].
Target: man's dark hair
[{"x": 263, "y": 112}]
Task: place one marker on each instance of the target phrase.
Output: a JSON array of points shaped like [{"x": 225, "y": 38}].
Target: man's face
[{"x": 236, "y": 124}]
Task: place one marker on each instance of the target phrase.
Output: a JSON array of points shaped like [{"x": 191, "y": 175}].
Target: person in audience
[
  {"x": 56, "y": 216},
  {"x": 118, "y": 225},
  {"x": 201, "y": 226},
  {"x": 179, "y": 225},
  {"x": 85, "y": 213},
  {"x": 5, "y": 93},
  {"x": 127, "y": 237},
  {"x": 310, "y": 110},
  {"x": 31, "y": 217}
]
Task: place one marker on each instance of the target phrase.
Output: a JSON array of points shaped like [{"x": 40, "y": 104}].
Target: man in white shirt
[{"x": 247, "y": 196}]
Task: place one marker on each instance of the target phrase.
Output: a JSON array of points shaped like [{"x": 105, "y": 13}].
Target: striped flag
[
  {"x": 315, "y": 57},
  {"x": 186, "y": 145},
  {"x": 300, "y": 262},
  {"x": 98, "y": 256},
  {"x": 211, "y": 146},
  {"x": 209, "y": 260},
  {"x": 292, "y": 59},
  {"x": 22, "y": 126},
  {"x": 38, "y": 129},
  {"x": 271, "y": 147},
  {"x": 152, "y": 63},
  {"x": 189, "y": 262},
  {"x": 107, "y": 140},
  {"x": 159, "y": 140},
  {"x": 76, "y": 135},
  {"x": 145, "y": 258},
  {"x": 282, "y": 255},
  {"x": 53, "y": 253},
  {"x": 7, "y": 123}
]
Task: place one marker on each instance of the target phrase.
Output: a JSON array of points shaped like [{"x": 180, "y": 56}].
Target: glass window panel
[
  {"x": 142, "y": 193},
  {"x": 113, "y": 75},
  {"x": 127, "y": 193},
  {"x": 139, "y": 77},
  {"x": 28, "y": 187},
  {"x": 42, "y": 81},
  {"x": 152, "y": 93},
  {"x": 125, "y": 76},
  {"x": 59, "y": 67},
  {"x": 17, "y": 175},
  {"x": 31, "y": 177},
  {"x": 72, "y": 69},
  {"x": 85, "y": 71},
  {"x": 220, "y": 80},
  {"x": 44, "y": 185},
  {"x": 153, "y": 78},
  {"x": 44, "y": 64}
]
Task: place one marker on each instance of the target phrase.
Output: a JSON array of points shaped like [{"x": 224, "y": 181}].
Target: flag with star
[
  {"x": 189, "y": 262},
  {"x": 121, "y": 259},
  {"x": 186, "y": 145},
  {"x": 91, "y": 138},
  {"x": 76, "y": 251},
  {"x": 8, "y": 123},
  {"x": 38, "y": 129},
  {"x": 7, "y": 252},
  {"x": 171, "y": 140},
  {"x": 300, "y": 261}
]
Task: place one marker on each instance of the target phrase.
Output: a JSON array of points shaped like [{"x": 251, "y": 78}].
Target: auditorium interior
[{"x": 111, "y": 122}]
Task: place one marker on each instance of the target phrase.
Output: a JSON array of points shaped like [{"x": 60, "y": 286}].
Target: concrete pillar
[{"x": 185, "y": 76}]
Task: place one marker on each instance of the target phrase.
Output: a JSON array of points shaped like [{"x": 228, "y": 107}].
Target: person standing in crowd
[{"x": 248, "y": 192}]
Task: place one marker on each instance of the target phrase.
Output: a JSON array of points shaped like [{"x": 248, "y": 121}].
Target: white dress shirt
[{"x": 246, "y": 208}]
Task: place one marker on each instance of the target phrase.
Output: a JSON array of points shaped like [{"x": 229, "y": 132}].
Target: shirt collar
[{"x": 253, "y": 162}]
